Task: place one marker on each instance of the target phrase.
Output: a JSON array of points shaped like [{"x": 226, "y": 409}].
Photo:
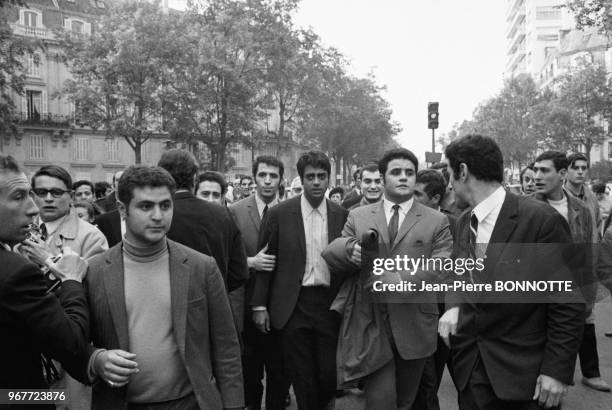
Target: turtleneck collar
[{"x": 145, "y": 253}]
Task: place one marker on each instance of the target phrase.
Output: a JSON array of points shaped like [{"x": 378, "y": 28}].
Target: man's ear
[
  {"x": 463, "y": 171},
  {"x": 436, "y": 199},
  {"x": 123, "y": 211}
]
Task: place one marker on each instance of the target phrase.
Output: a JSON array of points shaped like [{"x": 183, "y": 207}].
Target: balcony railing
[
  {"x": 30, "y": 31},
  {"x": 48, "y": 120}
]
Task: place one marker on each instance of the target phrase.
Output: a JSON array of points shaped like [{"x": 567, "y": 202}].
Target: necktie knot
[{"x": 395, "y": 208}]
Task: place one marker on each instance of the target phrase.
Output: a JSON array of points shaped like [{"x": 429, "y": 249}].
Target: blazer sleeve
[
  {"x": 565, "y": 322},
  {"x": 59, "y": 325},
  {"x": 268, "y": 235},
  {"x": 604, "y": 263},
  {"x": 237, "y": 269},
  {"x": 225, "y": 349},
  {"x": 337, "y": 253}
]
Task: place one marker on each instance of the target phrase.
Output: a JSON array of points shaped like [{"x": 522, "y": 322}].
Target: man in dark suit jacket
[
  {"x": 295, "y": 297},
  {"x": 260, "y": 348},
  {"x": 32, "y": 320},
  {"x": 109, "y": 224},
  {"x": 162, "y": 328},
  {"x": 521, "y": 354},
  {"x": 202, "y": 226}
]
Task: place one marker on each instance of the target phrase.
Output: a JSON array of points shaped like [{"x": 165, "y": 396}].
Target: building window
[
  {"x": 34, "y": 104},
  {"x": 112, "y": 150},
  {"x": 81, "y": 149},
  {"x": 37, "y": 147},
  {"x": 30, "y": 18},
  {"x": 548, "y": 13},
  {"x": 77, "y": 26},
  {"x": 33, "y": 65}
]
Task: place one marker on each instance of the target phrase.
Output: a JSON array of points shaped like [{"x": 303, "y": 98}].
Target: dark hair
[
  {"x": 357, "y": 174},
  {"x": 100, "y": 188},
  {"x": 87, "y": 205},
  {"x": 395, "y": 154},
  {"x": 433, "y": 182},
  {"x": 370, "y": 168},
  {"x": 53, "y": 171},
  {"x": 140, "y": 176},
  {"x": 572, "y": 158},
  {"x": 599, "y": 188},
  {"x": 181, "y": 165},
  {"x": 8, "y": 163},
  {"x": 522, "y": 174},
  {"x": 337, "y": 190},
  {"x": 246, "y": 177},
  {"x": 271, "y": 161},
  {"x": 481, "y": 155},
  {"x": 316, "y": 159},
  {"x": 557, "y": 157},
  {"x": 443, "y": 169},
  {"x": 82, "y": 182},
  {"x": 213, "y": 176}
]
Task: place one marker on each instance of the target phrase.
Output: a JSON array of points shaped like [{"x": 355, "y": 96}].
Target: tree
[
  {"x": 118, "y": 71},
  {"x": 214, "y": 92},
  {"x": 353, "y": 122},
  {"x": 592, "y": 13},
  {"x": 584, "y": 95},
  {"x": 12, "y": 76}
]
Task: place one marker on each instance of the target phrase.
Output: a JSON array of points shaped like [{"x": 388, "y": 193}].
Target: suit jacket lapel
[
  {"x": 380, "y": 221},
  {"x": 411, "y": 218},
  {"x": 179, "y": 289},
  {"x": 299, "y": 228},
  {"x": 115, "y": 289},
  {"x": 333, "y": 220},
  {"x": 254, "y": 213},
  {"x": 504, "y": 226}
]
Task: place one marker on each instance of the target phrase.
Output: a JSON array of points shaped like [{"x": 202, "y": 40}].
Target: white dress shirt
[
  {"x": 315, "y": 229},
  {"x": 487, "y": 212},
  {"x": 404, "y": 208}
]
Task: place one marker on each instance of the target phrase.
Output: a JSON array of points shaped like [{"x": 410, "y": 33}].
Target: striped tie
[{"x": 472, "y": 240}]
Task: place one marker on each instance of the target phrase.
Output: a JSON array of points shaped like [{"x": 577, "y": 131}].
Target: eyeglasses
[{"x": 55, "y": 192}]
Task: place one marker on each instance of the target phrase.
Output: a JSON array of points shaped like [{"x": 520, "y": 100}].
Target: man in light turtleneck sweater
[{"x": 162, "y": 312}]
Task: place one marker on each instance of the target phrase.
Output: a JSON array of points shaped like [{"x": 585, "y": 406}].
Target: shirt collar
[
  {"x": 493, "y": 201},
  {"x": 261, "y": 204},
  {"x": 404, "y": 206},
  {"x": 52, "y": 226},
  {"x": 307, "y": 209}
]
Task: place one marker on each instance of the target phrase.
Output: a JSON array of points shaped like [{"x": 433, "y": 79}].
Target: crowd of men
[{"x": 172, "y": 289}]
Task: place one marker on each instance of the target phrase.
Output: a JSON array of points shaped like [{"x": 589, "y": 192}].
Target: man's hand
[
  {"x": 549, "y": 392},
  {"x": 261, "y": 318},
  {"x": 36, "y": 250},
  {"x": 447, "y": 325},
  {"x": 262, "y": 261},
  {"x": 356, "y": 254},
  {"x": 71, "y": 266},
  {"x": 115, "y": 367}
]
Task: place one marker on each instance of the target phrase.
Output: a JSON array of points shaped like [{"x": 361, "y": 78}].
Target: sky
[{"x": 449, "y": 51}]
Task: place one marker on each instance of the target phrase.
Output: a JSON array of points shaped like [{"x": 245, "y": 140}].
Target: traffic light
[{"x": 432, "y": 115}]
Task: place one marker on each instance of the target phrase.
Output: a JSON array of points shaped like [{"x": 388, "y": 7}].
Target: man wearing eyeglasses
[{"x": 61, "y": 228}]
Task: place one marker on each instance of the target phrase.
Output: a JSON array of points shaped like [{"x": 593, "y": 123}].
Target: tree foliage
[
  {"x": 592, "y": 13},
  {"x": 210, "y": 76},
  {"x": 12, "y": 76},
  {"x": 568, "y": 116}
]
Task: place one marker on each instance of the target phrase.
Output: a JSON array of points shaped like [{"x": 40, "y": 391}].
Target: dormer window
[{"x": 77, "y": 26}]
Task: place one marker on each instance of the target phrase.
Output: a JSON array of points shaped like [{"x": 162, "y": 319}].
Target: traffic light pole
[{"x": 433, "y": 140}]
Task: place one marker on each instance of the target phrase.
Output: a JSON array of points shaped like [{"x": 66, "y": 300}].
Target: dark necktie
[
  {"x": 265, "y": 211},
  {"x": 393, "y": 224}
]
